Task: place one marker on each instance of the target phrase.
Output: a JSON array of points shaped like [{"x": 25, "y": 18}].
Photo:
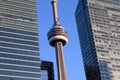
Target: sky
[{"x": 72, "y": 51}]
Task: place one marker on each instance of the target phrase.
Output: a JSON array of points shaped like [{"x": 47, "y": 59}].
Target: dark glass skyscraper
[
  {"x": 19, "y": 48},
  {"x": 98, "y": 23},
  {"x": 47, "y": 70}
]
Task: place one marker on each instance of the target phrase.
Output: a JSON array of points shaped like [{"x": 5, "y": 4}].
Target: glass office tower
[
  {"x": 19, "y": 48},
  {"x": 98, "y": 23},
  {"x": 47, "y": 70}
]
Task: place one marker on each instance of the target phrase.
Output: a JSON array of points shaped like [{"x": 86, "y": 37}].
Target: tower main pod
[{"x": 58, "y": 37}]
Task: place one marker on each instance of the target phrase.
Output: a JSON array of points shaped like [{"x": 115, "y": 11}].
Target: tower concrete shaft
[
  {"x": 58, "y": 37},
  {"x": 60, "y": 62}
]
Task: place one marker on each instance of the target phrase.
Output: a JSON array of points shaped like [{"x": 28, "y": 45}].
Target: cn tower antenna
[
  {"x": 55, "y": 12},
  {"x": 58, "y": 37}
]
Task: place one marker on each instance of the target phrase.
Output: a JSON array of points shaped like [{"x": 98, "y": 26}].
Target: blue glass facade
[
  {"x": 86, "y": 40},
  {"x": 99, "y": 33},
  {"x": 19, "y": 47}
]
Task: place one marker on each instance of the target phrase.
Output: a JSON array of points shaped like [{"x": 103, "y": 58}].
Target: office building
[
  {"x": 98, "y": 24},
  {"x": 47, "y": 70},
  {"x": 19, "y": 48}
]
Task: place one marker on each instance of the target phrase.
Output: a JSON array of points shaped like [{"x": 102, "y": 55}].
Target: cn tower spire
[
  {"x": 58, "y": 37},
  {"x": 55, "y": 12}
]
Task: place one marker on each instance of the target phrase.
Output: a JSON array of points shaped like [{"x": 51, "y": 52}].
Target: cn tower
[{"x": 58, "y": 37}]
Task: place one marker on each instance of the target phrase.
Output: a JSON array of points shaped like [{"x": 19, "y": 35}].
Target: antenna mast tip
[{"x": 54, "y": 1}]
